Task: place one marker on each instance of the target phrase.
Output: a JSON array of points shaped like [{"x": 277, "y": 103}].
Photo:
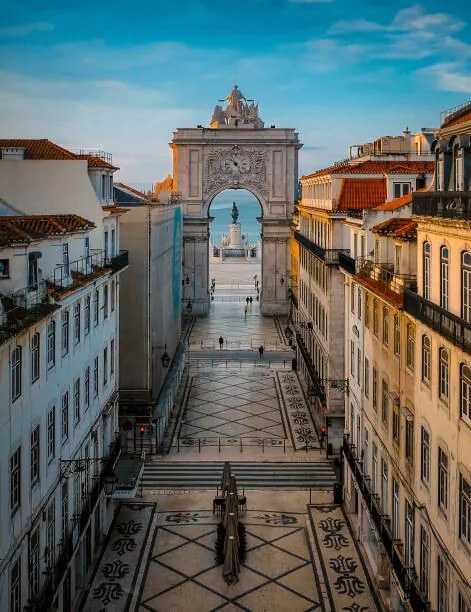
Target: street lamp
[
  {"x": 165, "y": 359},
  {"x": 189, "y": 306}
]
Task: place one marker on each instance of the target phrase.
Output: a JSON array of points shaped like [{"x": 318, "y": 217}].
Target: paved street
[{"x": 252, "y": 411}]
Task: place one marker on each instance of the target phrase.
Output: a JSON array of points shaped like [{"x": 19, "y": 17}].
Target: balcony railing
[
  {"x": 406, "y": 575},
  {"x": 318, "y": 388},
  {"x": 329, "y": 256},
  {"x": 347, "y": 263},
  {"x": 444, "y": 204},
  {"x": 382, "y": 278},
  {"x": 118, "y": 262},
  {"x": 445, "y": 323}
]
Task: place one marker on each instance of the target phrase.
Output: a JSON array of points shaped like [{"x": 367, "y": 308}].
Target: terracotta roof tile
[
  {"x": 398, "y": 202},
  {"x": 96, "y": 162},
  {"x": 358, "y": 194},
  {"x": 398, "y": 227},
  {"x": 26, "y": 228},
  {"x": 376, "y": 167},
  {"x": 131, "y": 189}
]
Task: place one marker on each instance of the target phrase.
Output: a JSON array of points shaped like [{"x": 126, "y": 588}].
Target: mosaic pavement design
[
  {"x": 277, "y": 574},
  {"x": 232, "y": 405},
  {"x": 114, "y": 581},
  {"x": 299, "y": 417},
  {"x": 348, "y": 586}
]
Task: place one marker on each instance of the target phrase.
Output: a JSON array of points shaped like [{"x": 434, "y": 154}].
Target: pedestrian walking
[
  {"x": 250, "y": 300},
  {"x": 245, "y": 310},
  {"x": 260, "y": 351},
  {"x": 247, "y": 300},
  {"x": 221, "y": 342}
]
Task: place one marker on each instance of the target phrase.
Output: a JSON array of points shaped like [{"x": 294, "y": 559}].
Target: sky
[{"x": 122, "y": 76}]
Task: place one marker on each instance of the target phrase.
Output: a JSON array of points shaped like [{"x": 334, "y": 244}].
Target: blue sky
[{"x": 123, "y": 75}]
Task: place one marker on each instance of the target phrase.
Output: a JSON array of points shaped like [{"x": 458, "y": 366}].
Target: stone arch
[{"x": 209, "y": 199}]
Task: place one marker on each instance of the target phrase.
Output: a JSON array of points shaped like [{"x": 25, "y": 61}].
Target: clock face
[{"x": 236, "y": 164}]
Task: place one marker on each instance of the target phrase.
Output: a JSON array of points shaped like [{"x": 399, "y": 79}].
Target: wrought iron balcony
[
  {"x": 444, "y": 204},
  {"x": 405, "y": 574},
  {"x": 318, "y": 388},
  {"x": 347, "y": 263},
  {"x": 118, "y": 262},
  {"x": 329, "y": 256},
  {"x": 445, "y": 323}
]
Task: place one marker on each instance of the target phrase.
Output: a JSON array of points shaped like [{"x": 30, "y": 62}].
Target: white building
[{"x": 59, "y": 347}]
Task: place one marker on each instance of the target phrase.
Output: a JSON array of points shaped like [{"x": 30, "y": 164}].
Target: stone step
[{"x": 269, "y": 475}]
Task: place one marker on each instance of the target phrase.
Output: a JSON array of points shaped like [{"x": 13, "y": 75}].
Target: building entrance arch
[{"x": 237, "y": 152}]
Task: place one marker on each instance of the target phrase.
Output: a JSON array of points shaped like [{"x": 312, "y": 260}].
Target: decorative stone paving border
[
  {"x": 297, "y": 413},
  {"x": 348, "y": 585},
  {"x": 113, "y": 584}
]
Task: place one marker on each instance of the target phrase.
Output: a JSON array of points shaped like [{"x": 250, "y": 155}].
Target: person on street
[
  {"x": 260, "y": 351},
  {"x": 245, "y": 310},
  {"x": 221, "y": 342},
  {"x": 250, "y": 300},
  {"x": 247, "y": 300}
]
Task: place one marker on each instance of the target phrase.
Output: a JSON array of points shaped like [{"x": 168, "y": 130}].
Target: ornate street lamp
[
  {"x": 165, "y": 359},
  {"x": 189, "y": 306}
]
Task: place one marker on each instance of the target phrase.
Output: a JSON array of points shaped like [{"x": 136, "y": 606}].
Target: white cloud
[
  {"x": 448, "y": 76},
  {"x": 26, "y": 28}
]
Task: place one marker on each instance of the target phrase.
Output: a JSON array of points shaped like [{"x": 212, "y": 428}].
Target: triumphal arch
[{"x": 237, "y": 151}]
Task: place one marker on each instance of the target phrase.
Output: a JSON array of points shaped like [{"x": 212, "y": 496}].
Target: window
[
  {"x": 106, "y": 244},
  {"x": 96, "y": 307},
  {"x": 409, "y": 535},
  {"x": 65, "y": 332},
  {"x": 401, "y": 189},
  {"x": 359, "y": 303},
  {"x": 465, "y": 510},
  {"x": 424, "y": 559},
  {"x": 16, "y": 366},
  {"x": 459, "y": 162},
  {"x": 113, "y": 295},
  {"x": 113, "y": 231},
  {"x": 443, "y": 374},
  {"x": 65, "y": 260},
  {"x": 65, "y": 509},
  {"x": 86, "y": 316},
  {"x": 410, "y": 353},
  {"x": 15, "y": 587},
  {"x": 375, "y": 389},
  {"x": 466, "y": 286},
  {"x": 51, "y": 433},
  {"x": 35, "y": 455},
  {"x": 352, "y": 358},
  {"x": 34, "y": 568},
  {"x": 35, "y": 355},
  {"x": 50, "y": 535},
  {"x": 427, "y": 250},
  {"x": 465, "y": 399},
  {"x": 105, "y": 366},
  {"x": 384, "y": 486},
  {"x": 374, "y": 470},
  {"x": 358, "y": 367},
  {"x": 367, "y": 378},
  {"x": 51, "y": 344},
  {"x": 95, "y": 376},
  {"x": 112, "y": 357},
  {"x": 442, "y": 480},
  {"x": 366, "y": 454},
  {"x": 385, "y": 403},
  {"x": 409, "y": 439},
  {"x": 32, "y": 272},
  {"x": 4, "y": 268},
  {"x": 397, "y": 258},
  {"x": 105, "y": 302},
  {"x": 444, "y": 277},
  {"x": 424, "y": 455},
  {"x": 385, "y": 326},
  {"x": 77, "y": 323},
  {"x": 65, "y": 417},
  {"x": 86, "y": 387},
  {"x": 397, "y": 335},
  {"x": 440, "y": 174},
  {"x": 396, "y": 423},
  {"x": 76, "y": 400},
  {"x": 426, "y": 359},
  {"x": 396, "y": 532},
  {"x": 375, "y": 317},
  {"x": 15, "y": 479},
  {"x": 463, "y": 605},
  {"x": 352, "y": 297},
  {"x": 367, "y": 310},
  {"x": 442, "y": 586}
]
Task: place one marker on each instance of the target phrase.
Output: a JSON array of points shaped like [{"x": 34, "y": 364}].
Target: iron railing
[
  {"x": 452, "y": 113},
  {"x": 445, "y": 323},
  {"x": 445, "y": 204},
  {"x": 318, "y": 387},
  {"x": 117, "y": 262},
  {"x": 347, "y": 263},
  {"x": 329, "y": 256},
  {"x": 406, "y": 574}
]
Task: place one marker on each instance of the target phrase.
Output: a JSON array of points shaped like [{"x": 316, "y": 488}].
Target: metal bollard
[
  {"x": 284, "y": 446},
  {"x": 263, "y": 445},
  {"x": 219, "y": 444},
  {"x": 199, "y": 445},
  {"x": 241, "y": 445},
  {"x": 178, "y": 445}
]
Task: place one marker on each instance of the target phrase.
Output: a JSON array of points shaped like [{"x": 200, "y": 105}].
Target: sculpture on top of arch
[{"x": 239, "y": 112}]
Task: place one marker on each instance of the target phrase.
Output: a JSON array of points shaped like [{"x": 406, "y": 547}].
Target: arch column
[
  {"x": 276, "y": 266},
  {"x": 196, "y": 265}
]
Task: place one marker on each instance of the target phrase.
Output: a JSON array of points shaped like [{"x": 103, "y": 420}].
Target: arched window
[
  {"x": 444, "y": 276},
  {"x": 426, "y": 359},
  {"x": 443, "y": 373},
  {"x": 385, "y": 326},
  {"x": 465, "y": 392},
  {"x": 397, "y": 335},
  {"x": 466, "y": 286},
  {"x": 51, "y": 344},
  {"x": 375, "y": 317},
  {"x": 16, "y": 373},
  {"x": 427, "y": 251}
]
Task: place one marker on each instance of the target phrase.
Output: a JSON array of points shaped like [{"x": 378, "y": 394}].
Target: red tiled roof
[
  {"x": 357, "y": 194},
  {"x": 398, "y": 227},
  {"x": 376, "y": 167},
  {"x": 113, "y": 208},
  {"x": 398, "y": 202},
  {"x": 131, "y": 189},
  {"x": 25, "y": 228},
  {"x": 47, "y": 150}
]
